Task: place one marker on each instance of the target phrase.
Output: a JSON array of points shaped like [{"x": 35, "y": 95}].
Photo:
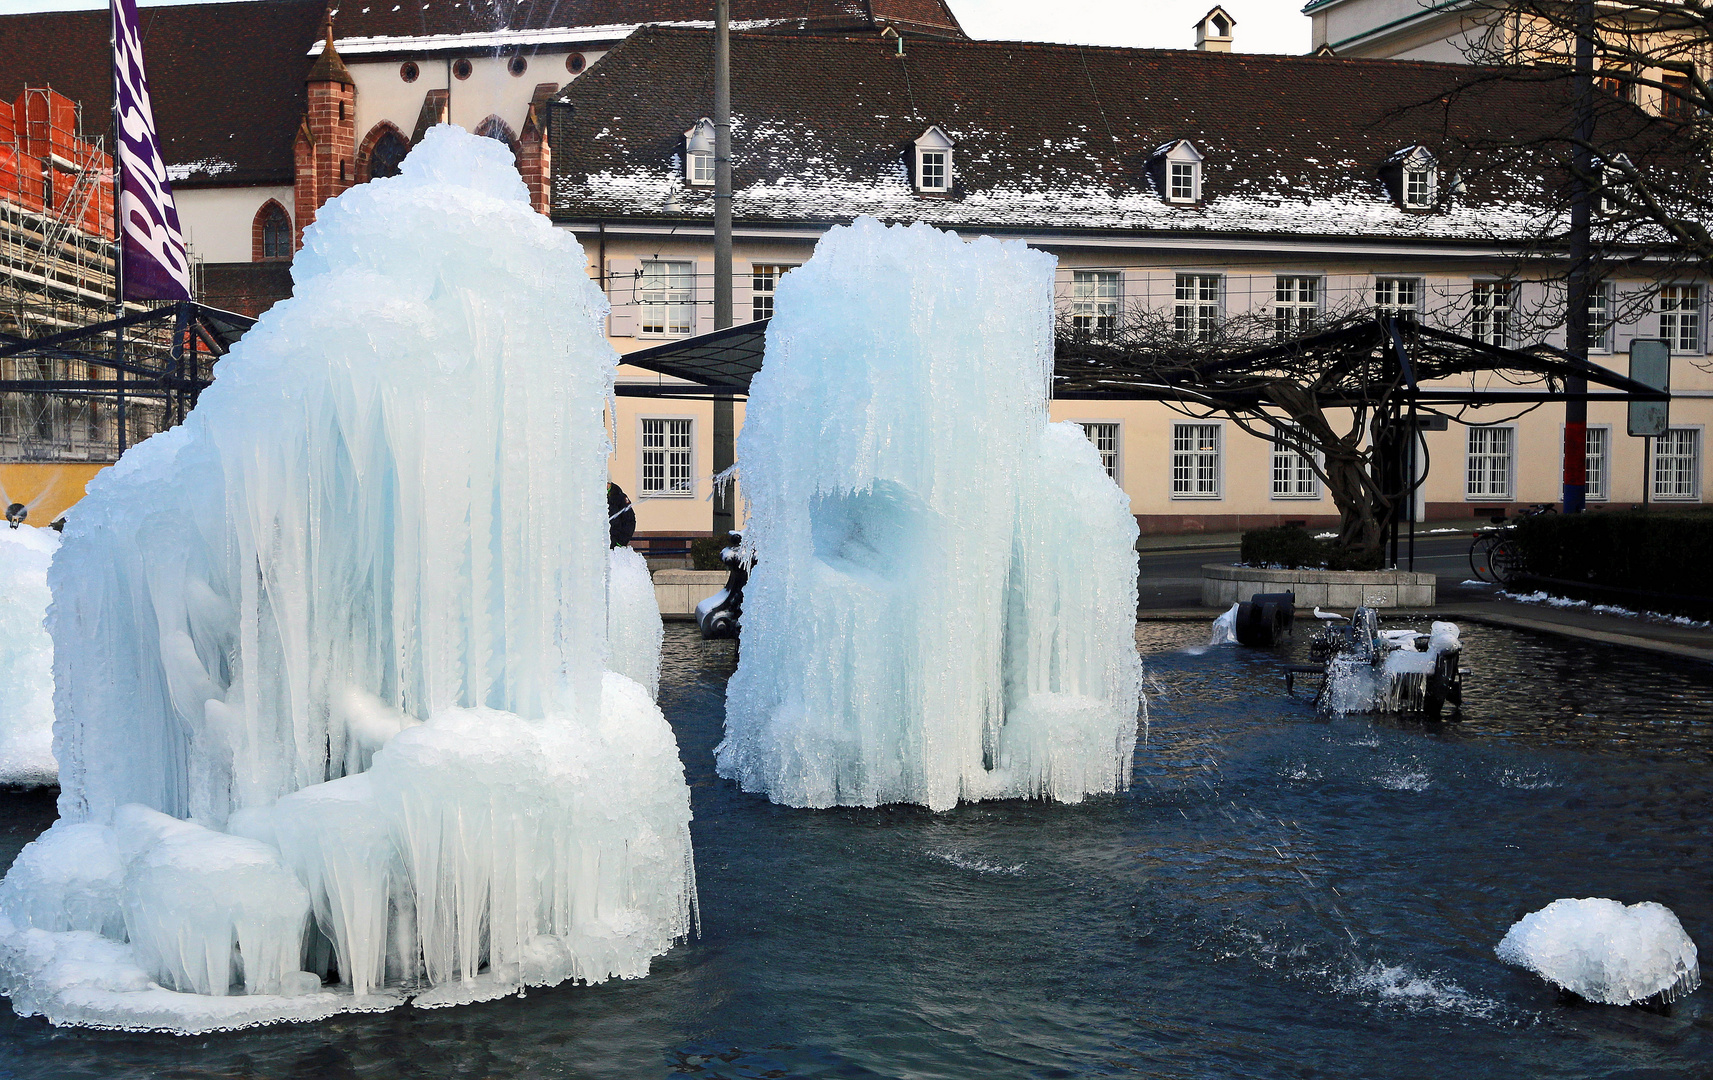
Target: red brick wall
[{"x": 326, "y": 160}]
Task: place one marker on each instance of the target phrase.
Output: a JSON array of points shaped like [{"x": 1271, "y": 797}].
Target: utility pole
[
  {"x": 725, "y": 435},
  {"x": 1582, "y": 275}
]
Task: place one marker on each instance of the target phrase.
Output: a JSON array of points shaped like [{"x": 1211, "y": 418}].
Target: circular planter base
[{"x": 1222, "y": 586}]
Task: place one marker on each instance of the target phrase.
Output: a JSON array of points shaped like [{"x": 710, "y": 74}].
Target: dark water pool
[{"x": 1278, "y": 896}]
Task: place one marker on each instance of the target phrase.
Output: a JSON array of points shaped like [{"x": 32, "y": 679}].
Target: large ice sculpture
[
  {"x": 1606, "y": 952},
  {"x": 330, "y": 690},
  {"x": 26, "y": 657},
  {"x": 943, "y": 603}
]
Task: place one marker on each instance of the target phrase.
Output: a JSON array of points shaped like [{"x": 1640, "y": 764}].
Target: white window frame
[
  {"x": 1683, "y": 309},
  {"x": 1598, "y": 487},
  {"x": 667, "y": 465},
  {"x": 1292, "y": 314},
  {"x": 933, "y": 150},
  {"x": 1612, "y": 179},
  {"x": 1421, "y": 187},
  {"x": 1197, "y": 316},
  {"x": 1190, "y": 481},
  {"x": 1490, "y": 306},
  {"x": 699, "y": 154},
  {"x": 1096, "y": 296},
  {"x": 763, "y": 281},
  {"x": 1111, "y": 458},
  {"x": 1388, "y": 288},
  {"x": 1301, "y": 482},
  {"x": 1470, "y": 454},
  {"x": 1602, "y": 299},
  {"x": 1695, "y": 433},
  {"x": 654, "y": 317}
]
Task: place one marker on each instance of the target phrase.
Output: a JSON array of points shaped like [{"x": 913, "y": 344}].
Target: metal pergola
[{"x": 174, "y": 374}]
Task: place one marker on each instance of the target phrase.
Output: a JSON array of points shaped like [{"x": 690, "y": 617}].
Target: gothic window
[
  {"x": 388, "y": 153},
  {"x": 274, "y": 239}
]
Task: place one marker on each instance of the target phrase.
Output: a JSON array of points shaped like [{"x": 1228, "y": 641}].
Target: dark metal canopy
[
  {"x": 719, "y": 364},
  {"x": 723, "y": 363}
]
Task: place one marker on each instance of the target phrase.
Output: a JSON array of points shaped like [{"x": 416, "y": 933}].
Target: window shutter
[
  {"x": 1134, "y": 285},
  {"x": 705, "y": 296},
  {"x": 621, "y": 293}
]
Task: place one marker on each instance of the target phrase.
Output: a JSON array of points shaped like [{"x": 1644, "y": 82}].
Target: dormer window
[
  {"x": 1177, "y": 172},
  {"x": 699, "y": 154},
  {"x": 933, "y": 153},
  {"x": 1412, "y": 177},
  {"x": 1614, "y": 177}
]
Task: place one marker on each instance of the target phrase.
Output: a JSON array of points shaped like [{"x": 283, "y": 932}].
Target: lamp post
[
  {"x": 1581, "y": 263},
  {"x": 725, "y": 451}
]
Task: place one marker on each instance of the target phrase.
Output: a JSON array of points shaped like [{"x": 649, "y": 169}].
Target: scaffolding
[{"x": 57, "y": 277}]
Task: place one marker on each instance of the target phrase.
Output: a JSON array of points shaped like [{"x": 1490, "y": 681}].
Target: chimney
[{"x": 1213, "y": 31}]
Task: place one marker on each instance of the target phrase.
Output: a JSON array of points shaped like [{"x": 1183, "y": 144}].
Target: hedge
[
  {"x": 1665, "y": 552},
  {"x": 1291, "y": 547}
]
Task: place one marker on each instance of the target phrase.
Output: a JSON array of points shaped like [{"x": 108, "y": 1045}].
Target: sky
[{"x": 1262, "y": 25}]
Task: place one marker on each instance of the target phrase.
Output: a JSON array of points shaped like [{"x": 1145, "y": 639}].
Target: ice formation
[
  {"x": 1605, "y": 952},
  {"x": 634, "y": 629},
  {"x": 332, "y": 706},
  {"x": 26, "y": 657},
  {"x": 1225, "y": 627},
  {"x": 1388, "y": 672},
  {"x": 943, "y": 602}
]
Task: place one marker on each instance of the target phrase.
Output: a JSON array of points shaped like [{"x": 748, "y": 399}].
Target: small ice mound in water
[
  {"x": 943, "y": 604},
  {"x": 333, "y": 706},
  {"x": 26, "y": 657},
  {"x": 1605, "y": 952}
]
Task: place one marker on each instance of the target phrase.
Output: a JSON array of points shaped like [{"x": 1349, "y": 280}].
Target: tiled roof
[
  {"x": 368, "y": 19},
  {"x": 226, "y": 79},
  {"x": 1049, "y": 136}
]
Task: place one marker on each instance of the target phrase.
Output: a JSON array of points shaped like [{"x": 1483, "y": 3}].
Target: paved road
[{"x": 1172, "y": 579}]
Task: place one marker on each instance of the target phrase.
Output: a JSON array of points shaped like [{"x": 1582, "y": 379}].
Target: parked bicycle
[{"x": 1494, "y": 554}]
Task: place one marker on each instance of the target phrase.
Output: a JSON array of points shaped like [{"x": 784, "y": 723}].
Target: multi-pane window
[
  {"x": 276, "y": 233},
  {"x": 1597, "y": 455},
  {"x": 932, "y": 170},
  {"x": 1195, "y": 461},
  {"x": 1490, "y": 312},
  {"x": 701, "y": 167},
  {"x": 1197, "y": 307},
  {"x": 763, "y": 281},
  {"x": 1094, "y": 301},
  {"x": 1600, "y": 317},
  {"x": 1675, "y": 101},
  {"x": 666, "y": 457},
  {"x": 1183, "y": 181},
  {"x": 1296, "y": 304},
  {"x": 1677, "y": 464},
  {"x": 666, "y": 293},
  {"x": 1490, "y": 462},
  {"x": 1105, "y": 439},
  {"x": 1680, "y": 317},
  {"x": 1293, "y": 474},
  {"x": 1418, "y": 188},
  {"x": 1398, "y": 296}
]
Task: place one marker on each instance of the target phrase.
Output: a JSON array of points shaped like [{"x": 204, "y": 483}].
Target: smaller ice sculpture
[
  {"x": 943, "y": 603},
  {"x": 1605, "y": 952},
  {"x": 1389, "y": 670},
  {"x": 26, "y": 658},
  {"x": 634, "y": 629}
]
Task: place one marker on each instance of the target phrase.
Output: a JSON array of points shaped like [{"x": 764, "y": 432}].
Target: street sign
[{"x": 1650, "y": 365}]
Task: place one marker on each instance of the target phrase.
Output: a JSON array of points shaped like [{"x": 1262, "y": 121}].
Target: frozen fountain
[
  {"x": 336, "y": 716},
  {"x": 943, "y": 601}
]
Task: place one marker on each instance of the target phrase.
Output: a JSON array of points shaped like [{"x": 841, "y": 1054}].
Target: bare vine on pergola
[{"x": 1333, "y": 393}]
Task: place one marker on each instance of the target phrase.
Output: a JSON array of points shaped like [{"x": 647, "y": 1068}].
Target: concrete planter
[
  {"x": 1222, "y": 585},
  {"x": 679, "y": 591}
]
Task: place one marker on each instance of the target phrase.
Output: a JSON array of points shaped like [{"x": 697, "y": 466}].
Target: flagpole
[{"x": 118, "y": 232}]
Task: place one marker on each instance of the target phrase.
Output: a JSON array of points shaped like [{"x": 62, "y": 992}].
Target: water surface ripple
[{"x": 1278, "y": 896}]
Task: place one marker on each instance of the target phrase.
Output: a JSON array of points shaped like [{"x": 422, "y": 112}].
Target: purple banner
[{"x": 156, "y": 265}]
